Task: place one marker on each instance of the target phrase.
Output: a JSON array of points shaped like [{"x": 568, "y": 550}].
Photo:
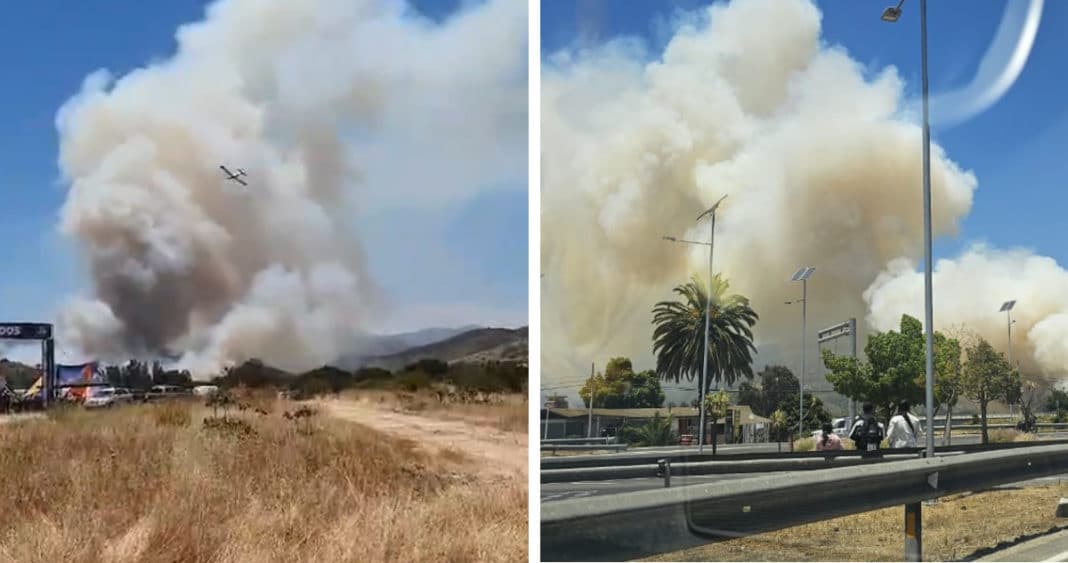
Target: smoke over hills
[
  {"x": 331, "y": 106},
  {"x": 822, "y": 169}
]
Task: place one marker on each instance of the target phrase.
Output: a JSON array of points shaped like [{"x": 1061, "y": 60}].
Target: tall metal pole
[
  {"x": 1008, "y": 318},
  {"x": 589, "y": 421},
  {"x": 708, "y": 315},
  {"x": 853, "y": 349},
  {"x": 708, "y": 320},
  {"x": 546, "y": 421},
  {"x": 928, "y": 261},
  {"x": 801, "y": 380}
]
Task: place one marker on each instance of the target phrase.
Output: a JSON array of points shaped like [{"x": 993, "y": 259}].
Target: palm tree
[{"x": 680, "y": 327}]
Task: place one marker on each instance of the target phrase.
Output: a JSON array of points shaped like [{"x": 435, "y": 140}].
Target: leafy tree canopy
[{"x": 619, "y": 387}]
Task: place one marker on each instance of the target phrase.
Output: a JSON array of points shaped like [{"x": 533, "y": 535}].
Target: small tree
[
  {"x": 1057, "y": 401},
  {"x": 778, "y": 426},
  {"x": 716, "y": 405},
  {"x": 988, "y": 377}
]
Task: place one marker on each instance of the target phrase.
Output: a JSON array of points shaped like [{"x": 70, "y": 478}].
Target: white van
[{"x": 205, "y": 390}]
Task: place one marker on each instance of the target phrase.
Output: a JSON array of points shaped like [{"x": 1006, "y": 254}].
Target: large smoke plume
[
  {"x": 822, "y": 166},
  {"x": 331, "y": 106}
]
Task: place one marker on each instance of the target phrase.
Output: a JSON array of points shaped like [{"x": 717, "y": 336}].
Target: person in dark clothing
[{"x": 867, "y": 432}]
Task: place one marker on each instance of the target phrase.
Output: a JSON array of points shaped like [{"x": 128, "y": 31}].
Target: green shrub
[
  {"x": 412, "y": 381},
  {"x": 657, "y": 431}
]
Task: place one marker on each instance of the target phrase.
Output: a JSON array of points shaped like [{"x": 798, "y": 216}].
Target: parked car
[
  {"x": 107, "y": 397},
  {"x": 205, "y": 390},
  {"x": 841, "y": 427},
  {"x": 159, "y": 392}
]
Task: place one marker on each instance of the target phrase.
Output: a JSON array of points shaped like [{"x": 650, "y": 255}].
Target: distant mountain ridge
[{"x": 473, "y": 346}]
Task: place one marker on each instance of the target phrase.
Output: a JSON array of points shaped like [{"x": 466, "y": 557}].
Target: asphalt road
[{"x": 1053, "y": 547}]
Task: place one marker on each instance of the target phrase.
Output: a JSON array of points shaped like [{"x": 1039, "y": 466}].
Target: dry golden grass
[
  {"x": 136, "y": 484},
  {"x": 954, "y": 528},
  {"x": 509, "y": 415}
]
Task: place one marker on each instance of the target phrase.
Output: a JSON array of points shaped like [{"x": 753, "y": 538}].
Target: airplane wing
[
  {"x": 240, "y": 181},
  {"x": 225, "y": 170}
]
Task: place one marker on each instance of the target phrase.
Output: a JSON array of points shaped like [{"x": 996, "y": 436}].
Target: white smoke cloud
[
  {"x": 332, "y": 107},
  {"x": 970, "y": 289},
  {"x": 820, "y": 162}
]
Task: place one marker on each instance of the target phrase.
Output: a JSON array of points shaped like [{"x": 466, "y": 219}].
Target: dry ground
[
  {"x": 485, "y": 433},
  {"x": 151, "y": 483},
  {"x": 954, "y": 528}
]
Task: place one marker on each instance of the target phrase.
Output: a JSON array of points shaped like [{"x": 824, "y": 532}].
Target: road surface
[{"x": 1053, "y": 547}]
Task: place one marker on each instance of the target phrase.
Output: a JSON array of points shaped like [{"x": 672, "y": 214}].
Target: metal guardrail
[
  {"x": 608, "y": 440},
  {"x": 719, "y": 467},
  {"x": 581, "y": 447},
  {"x": 644, "y": 523},
  {"x": 651, "y": 459}
]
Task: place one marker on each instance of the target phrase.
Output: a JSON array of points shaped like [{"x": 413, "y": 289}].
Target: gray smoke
[
  {"x": 822, "y": 166},
  {"x": 332, "y": 107}
]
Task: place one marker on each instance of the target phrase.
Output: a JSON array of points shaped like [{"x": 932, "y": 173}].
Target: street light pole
[
  {"x": 801, "y": 382},
  {"x": 802, "y": 276},
  {"x": 913, "y": 526},
  {"x": 928, "y": 270},
  {"x": 891, "y": 15},
  {"x": 708, "y": 317}
]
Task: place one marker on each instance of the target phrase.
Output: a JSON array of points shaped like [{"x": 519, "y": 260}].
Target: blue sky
[
  {"x": 48, "y": 47},
  {"x": 1015, "y": 148}
]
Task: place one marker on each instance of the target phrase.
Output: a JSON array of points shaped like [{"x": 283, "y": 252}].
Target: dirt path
[{"x": 499, "y": 453}]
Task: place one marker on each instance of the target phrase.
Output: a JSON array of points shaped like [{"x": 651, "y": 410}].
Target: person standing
[
  {"x": 868, "y": 433},
  {"x": 904, "y": 431},
  {"x": 829, "y": 441}
]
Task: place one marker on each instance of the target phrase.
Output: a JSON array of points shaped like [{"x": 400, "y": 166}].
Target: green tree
[
  {"x": 815, "y": 413},
  {"x": 679, "y": 334},
  {"x": 988, "y": 377},
  {"x": 1057, "y": 401},
  {"x": 778, "y": 426},
  {"x": 716, "y": 406},
  {"x": 619, "y": 387},
  {"x": 895, "y": 369},
  {"x": 777, "y": 383}
]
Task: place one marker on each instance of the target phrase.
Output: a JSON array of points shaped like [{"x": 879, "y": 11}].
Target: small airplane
[{"x": 235, "y": 177}]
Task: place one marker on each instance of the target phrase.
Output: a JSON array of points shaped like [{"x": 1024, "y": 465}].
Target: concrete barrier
[{"x": 640, "y": 524}]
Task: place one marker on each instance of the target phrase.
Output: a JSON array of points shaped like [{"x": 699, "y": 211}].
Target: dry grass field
[
  {"x": 954, "y": 528},
  {"x": 152, "y": 483}
]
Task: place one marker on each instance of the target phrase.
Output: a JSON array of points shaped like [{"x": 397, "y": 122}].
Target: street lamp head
[
  {"x": 712, "y": 210},
  {"x": 891, "y": 14}
]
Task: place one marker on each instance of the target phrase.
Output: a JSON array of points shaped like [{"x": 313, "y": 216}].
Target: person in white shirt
[{"x": 904, "y": 431}]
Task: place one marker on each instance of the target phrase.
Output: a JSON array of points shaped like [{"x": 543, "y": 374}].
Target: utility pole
[{"x": 589, "y": 422}]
